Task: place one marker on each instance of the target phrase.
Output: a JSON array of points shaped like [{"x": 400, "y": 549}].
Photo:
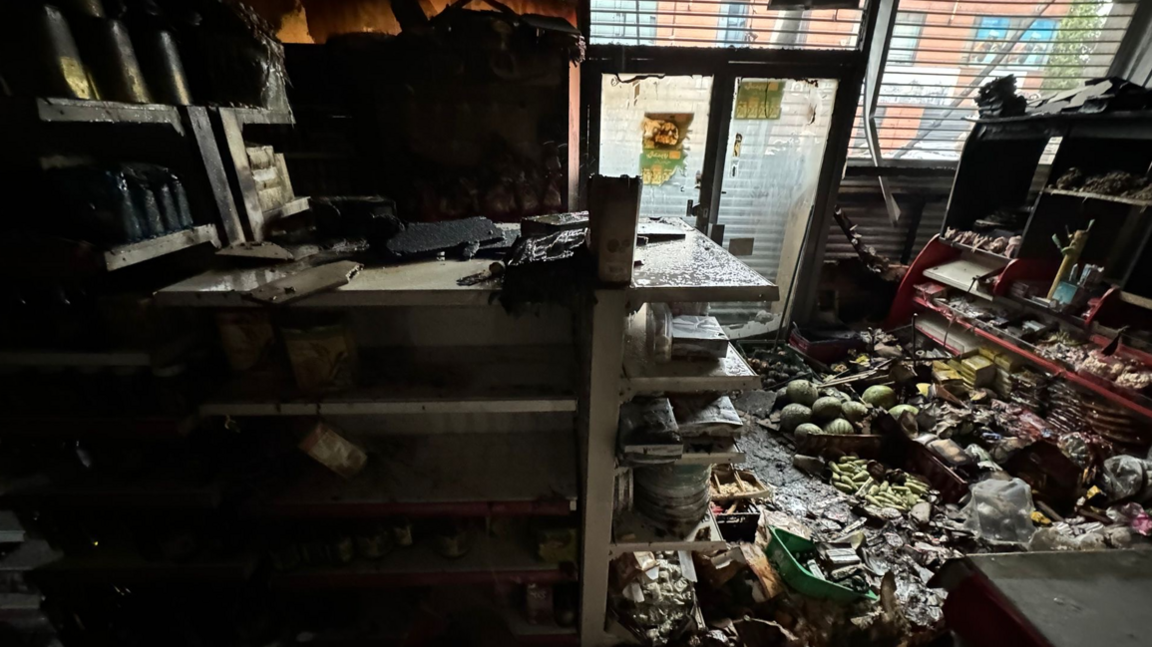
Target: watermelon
[
  {"x": 794, "y": 415},
  {"x": 809, "y": 429},
  {"x": 880, "y": 396},
  {"x": 839, "y": 427},
  {"x": 826, "y": 408},
  {"x": 801, "y": 392},
  {"x": 899, "y": 410},
  {"x": 855, "y": 411}
]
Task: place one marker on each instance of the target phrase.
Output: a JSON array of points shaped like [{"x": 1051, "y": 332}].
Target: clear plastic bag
[
  {"x": 1127, "y": 477},
  {"x": 659, "y": 332},
  {"x": 1000, "y": 512}
]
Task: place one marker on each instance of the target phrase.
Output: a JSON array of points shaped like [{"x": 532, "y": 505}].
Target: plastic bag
[
  {"x": 647, "y": 432},
  {"x": 659, "y": 325},
  {"x": 333, "y": 451},
  {"x": 698, "y": 338},
  {"x": 1000, "y": 512},
  {"x": 1127, "y": 477},
  {"x": 707, "y": 416}
]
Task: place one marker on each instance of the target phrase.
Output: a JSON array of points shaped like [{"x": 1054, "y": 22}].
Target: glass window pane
[
  {"x": 771, "y": 168},
  {"x": 927, "y": 94},
  {"x": 722, "y": 23},
  {"x": 633, "y": 107}
]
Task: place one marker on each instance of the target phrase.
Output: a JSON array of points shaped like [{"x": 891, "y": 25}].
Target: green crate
[{"x": 781, "y": 553}]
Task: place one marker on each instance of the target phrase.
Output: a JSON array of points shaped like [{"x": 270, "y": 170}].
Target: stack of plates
[{"x": 674, "y": 496}]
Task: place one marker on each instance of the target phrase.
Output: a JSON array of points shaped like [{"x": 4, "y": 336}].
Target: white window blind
[
  {"x": 942, "y": 52},
  {"x": 720, "y": 23}
]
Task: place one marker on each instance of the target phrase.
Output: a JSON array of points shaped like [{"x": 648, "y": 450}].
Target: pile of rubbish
[{"x": 876, "y": 472}]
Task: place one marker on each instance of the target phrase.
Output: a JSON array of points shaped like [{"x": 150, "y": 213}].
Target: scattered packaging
[
  {"x": 246, "y": 336},
  {"x": 698, "y": 338},
  {"x": 999, "y": 512},
  {"x": 538, "y": 604},
  {"x": 333, "y": 451},
  {"x": 706, "y": 416},
  {"x": 323, "y": 357},
  {"x": 647, "y": 433},
  {"x": 659, "y": 605}
]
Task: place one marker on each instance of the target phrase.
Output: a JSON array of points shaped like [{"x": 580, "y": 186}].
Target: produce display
[
  {"x": 839, "y": 427},
  {"x": 893, "y": 488},
  {"x": 831, "y": 411},
  {"x": 855, "y": 411},
  {"x": 802, "y": 392},
  {"x": 793, "y": 416},
  {"x": 880, "y": 396},
  {"x": 827, "y": 408}
]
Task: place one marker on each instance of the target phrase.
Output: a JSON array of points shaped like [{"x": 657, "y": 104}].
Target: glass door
[
  {"x": 656, "y": 127},
  {"x": 772, "y": 160}
]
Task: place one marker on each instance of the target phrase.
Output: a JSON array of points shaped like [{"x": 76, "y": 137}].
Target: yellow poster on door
[
  {"x": 663, "y": 152},
  {"x": 759, "y": 99}
]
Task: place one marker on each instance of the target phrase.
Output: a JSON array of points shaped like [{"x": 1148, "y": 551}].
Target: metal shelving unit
[
  {"x": 465, "y": 411},
  {"x": 42, "y": 126},
  {"x": 617, "y": 367},
  {"x": 429, "y": 283},
  {"x": 443, "y": 380}
]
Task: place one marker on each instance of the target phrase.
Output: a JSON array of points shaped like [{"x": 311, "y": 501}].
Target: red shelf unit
[{"x": 1056, "y": 369}]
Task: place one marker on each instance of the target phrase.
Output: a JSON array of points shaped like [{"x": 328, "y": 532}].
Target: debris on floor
[{"x": 875, "y": 464}]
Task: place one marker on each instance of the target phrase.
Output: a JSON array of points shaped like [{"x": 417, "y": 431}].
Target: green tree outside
[{"x": 1068, "y": 47}]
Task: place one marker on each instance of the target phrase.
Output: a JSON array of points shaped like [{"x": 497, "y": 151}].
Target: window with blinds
[
  {"x": 941, "y": 53},
  {"x": 720, "y": 23}
]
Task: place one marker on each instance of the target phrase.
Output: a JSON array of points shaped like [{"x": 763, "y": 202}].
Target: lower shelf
[
  {"x": 410, "y": 380},
  {"x": 490, "y": 560},
  {"x": 634, "y": 533},
  {"x": 123, "y": 494},
  {"x": 117, "y": 567},
  {"x": 723, "y": 450},
  {"x": 441, "y": 475}
]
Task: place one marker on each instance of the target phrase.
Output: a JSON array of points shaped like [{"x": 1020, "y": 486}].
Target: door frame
[{"x": 802, "y": 256}]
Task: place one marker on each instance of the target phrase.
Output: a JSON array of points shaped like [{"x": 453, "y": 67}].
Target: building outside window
[
  {"x": 906, "y": 37},
  {"x": 735, "y": 25},
  {"x": 996, "y": 34}
]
